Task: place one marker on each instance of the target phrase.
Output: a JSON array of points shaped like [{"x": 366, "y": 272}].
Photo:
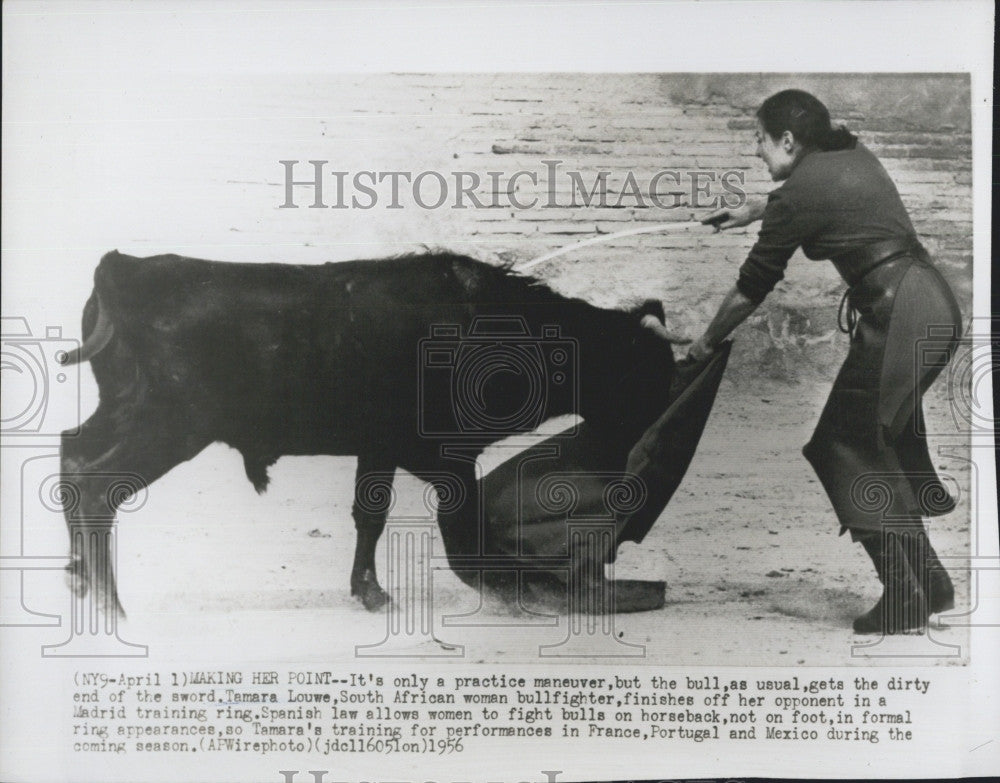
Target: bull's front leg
[{"x": 373, "y": 498}]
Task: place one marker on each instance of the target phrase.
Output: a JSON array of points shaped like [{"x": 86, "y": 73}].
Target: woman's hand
[
  {"x": 732, "y": 312},
  {"x": 752, "y": 210}
]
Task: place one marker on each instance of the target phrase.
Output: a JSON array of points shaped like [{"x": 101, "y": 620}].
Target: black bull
[{"x": 415, "y": 362}]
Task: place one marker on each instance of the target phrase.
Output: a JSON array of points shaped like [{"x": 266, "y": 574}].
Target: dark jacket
[{"x": 831, "y": 204}]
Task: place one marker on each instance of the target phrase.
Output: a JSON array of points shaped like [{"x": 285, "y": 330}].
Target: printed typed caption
[{"x": 329, "y": 712}]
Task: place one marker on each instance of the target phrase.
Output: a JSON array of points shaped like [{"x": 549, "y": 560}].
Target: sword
[{"x": 656, "y": 228}]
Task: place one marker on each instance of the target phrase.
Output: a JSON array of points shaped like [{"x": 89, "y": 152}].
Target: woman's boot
[
  {"x": 931, "y": 575},
  {"x": 903, "y": 605}
]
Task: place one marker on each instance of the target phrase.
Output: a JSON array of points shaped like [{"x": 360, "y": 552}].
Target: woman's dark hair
[{"x": 806, "y": 117}]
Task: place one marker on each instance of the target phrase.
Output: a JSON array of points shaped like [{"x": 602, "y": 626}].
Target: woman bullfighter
[{"x": 837, "y": 202}]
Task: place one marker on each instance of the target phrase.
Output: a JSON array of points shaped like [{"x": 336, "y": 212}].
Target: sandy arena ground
[{"x": 756, "y": 572}]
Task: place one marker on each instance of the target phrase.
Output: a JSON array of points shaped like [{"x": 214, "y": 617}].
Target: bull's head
[{"x": 628, "y": 388}]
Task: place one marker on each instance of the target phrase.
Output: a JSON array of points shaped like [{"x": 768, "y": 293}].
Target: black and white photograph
[{"x": 386, "y": 388}]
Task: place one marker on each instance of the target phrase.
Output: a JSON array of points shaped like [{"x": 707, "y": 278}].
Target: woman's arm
[
  {"x": 733, "y": 311},
  {"x": 752, "y": 210}
]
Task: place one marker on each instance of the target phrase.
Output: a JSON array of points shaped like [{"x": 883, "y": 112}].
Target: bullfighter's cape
[{"x": 557, "y": 512}]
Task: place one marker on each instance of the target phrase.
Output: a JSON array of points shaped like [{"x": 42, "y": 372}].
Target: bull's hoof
[
  {"x": 369, "y": 591},
  {"x": 110, "y": 607},
  {"x": 76, "y": 578}
]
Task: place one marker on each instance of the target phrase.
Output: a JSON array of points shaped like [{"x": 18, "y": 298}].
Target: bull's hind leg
[
  {"x": 102, "y": 469},
  {"x": 372, "y": 502},
  {"x": 78, "y": 496}
]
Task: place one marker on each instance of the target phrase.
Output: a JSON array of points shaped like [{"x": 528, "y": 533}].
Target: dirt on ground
[{"x": 749, "y": 548}]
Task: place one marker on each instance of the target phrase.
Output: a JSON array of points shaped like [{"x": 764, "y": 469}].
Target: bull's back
[{"x": 305, "y": 352}]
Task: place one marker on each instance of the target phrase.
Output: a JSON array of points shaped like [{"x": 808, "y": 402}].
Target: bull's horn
[
  {"x": 95, "y": 342},
  {"x": 654, "y": 325}
]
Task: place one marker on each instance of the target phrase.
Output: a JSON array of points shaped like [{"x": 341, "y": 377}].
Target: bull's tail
[{"x": 96, "y": 340}]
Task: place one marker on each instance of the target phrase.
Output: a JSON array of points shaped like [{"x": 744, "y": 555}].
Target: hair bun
[{"x": 839, "y": 138}]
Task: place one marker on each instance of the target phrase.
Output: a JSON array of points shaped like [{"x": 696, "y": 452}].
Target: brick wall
[{"x": 187, "y": 167}]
